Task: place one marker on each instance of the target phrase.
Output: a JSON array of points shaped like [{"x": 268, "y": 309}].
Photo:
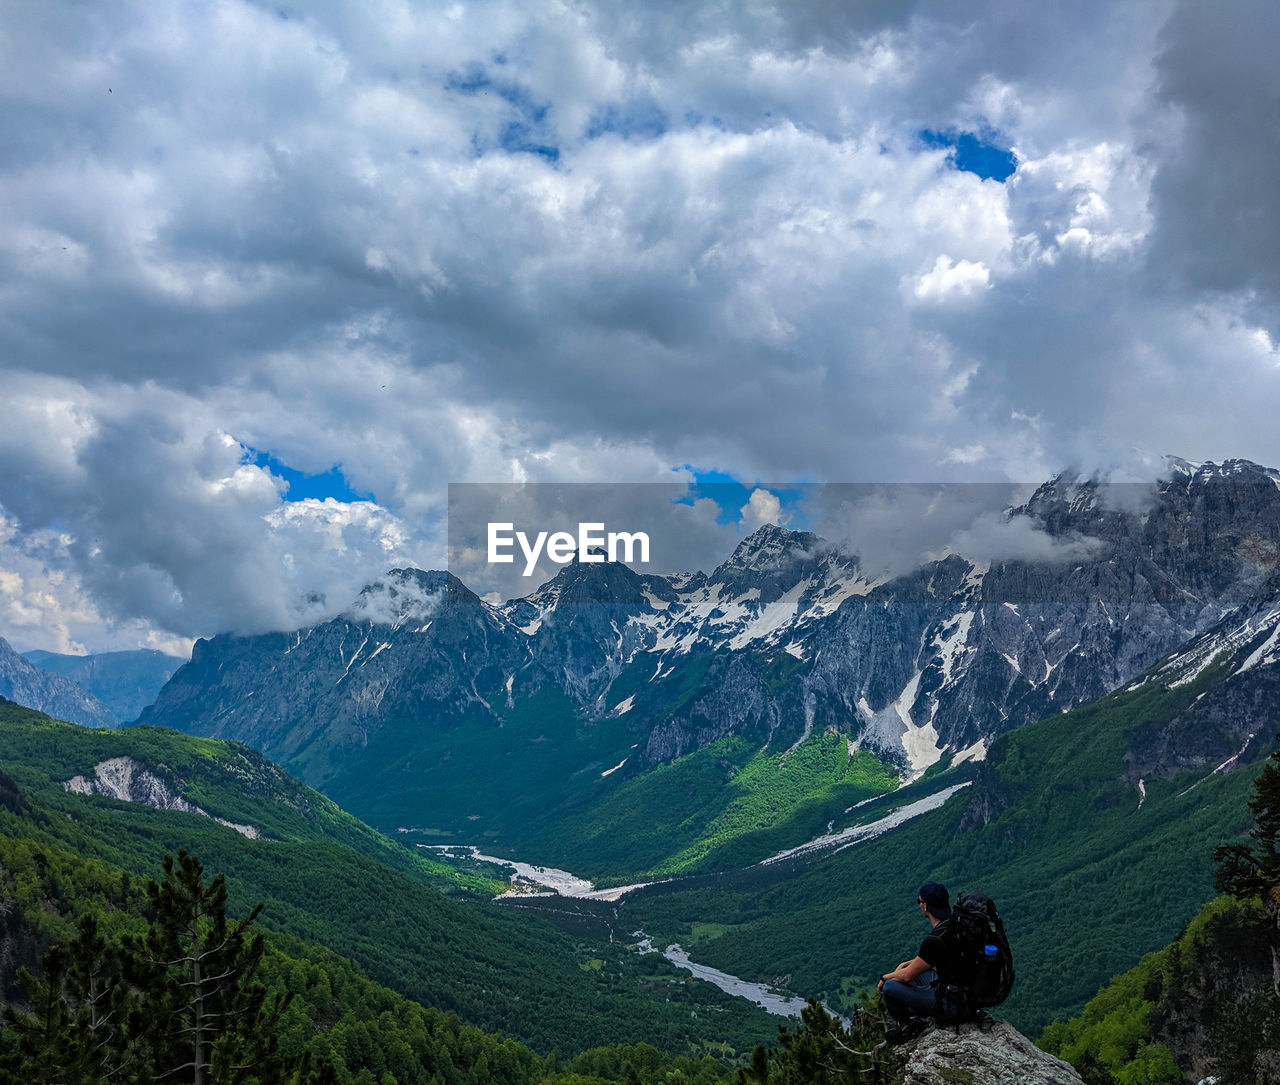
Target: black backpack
[{"x": 981, "y": 971}]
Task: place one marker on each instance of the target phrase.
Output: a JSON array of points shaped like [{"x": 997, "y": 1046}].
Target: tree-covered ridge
[
  {"x": 225, "y": 779},
  {"x": 1209, "y": 1003},
  {"x": 1055, "y": 828},
  {"x": 501, "y": 971},
  {"x": 112, "y": 999},
  {"x": 727, "y": 805}
]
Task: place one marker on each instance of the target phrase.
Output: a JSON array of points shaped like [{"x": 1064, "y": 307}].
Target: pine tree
[
  {"x": 41, "y": 1031},
  {"x": 207, "y": 1018},
  {"x": 1253, "y": 870},
  {"x": 82, "y": 1015},
  {"x": 106, "y": 1006},
  {"x": 824, "y": 1051},
  {"x": 179, "y": 1005}
]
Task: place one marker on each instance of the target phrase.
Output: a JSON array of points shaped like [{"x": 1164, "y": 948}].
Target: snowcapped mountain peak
[
  {"x": 1236, "y": 470},
  {"x": 769, "y": 545},
  {"x": 1178, "y": 466},
  {"x": 577, "y": 581},
  {"x": 1066, "y": 494}
]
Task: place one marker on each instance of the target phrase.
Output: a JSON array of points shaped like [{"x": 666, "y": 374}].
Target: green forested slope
[
  {"x": 225, "y": 779},
  {"x": 504, "y": 972},
  {"x": 1206, "y": 1007},
  {"x": 726, "y": 805},
  {"x": 1202, "y": 1004},
  {"x": 540, "y": 788},
  {"x": 1053, "y": 829},
  {"x": 342, "y": 1021}
]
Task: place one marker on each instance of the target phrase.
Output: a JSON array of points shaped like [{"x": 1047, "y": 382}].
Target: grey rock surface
[
  {"x": 125, "y": 779},
  {"x": 968, "y": 1055}
]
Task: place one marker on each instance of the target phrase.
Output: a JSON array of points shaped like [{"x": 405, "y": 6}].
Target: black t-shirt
[{"x": 937, "y": 954}]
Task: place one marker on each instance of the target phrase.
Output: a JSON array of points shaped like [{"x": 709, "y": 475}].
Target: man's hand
[{"x": 905, "y": 972}]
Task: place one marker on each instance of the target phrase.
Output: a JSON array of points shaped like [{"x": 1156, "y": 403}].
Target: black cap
[{"x": 936, "y": 899}]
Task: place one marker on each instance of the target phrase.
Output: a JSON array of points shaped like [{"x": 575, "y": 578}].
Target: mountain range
[
  {"x": 25, "y": 683},
  {"x": 125, "y": 682},
  {"x": 1093, "y": 829},
  {"x": 105, "y": 689},
  {"x": 424, "y": 706}
]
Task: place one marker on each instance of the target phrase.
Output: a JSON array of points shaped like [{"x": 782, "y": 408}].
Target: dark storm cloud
[{"x": 1218, "y": 221}]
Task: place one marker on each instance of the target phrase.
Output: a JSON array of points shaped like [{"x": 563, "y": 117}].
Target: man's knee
[
  {"x": 904, "y": 1000},
  {"x": 893, "y": 999}
]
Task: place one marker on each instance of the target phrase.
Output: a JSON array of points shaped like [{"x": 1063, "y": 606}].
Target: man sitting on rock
[{"x": 911, "y": 991}]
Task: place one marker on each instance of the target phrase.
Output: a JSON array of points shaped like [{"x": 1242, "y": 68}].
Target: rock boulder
[{"x": 970, "y": 1055}]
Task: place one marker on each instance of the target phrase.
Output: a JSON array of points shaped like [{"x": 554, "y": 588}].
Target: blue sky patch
[
  {"x": 332, "y": 483},
  {"x": 527, "y": 132},
  {"x": 971, "y": 153},
  {"x": 519, "y": 138},
  {"x": 730, "y": 495}
]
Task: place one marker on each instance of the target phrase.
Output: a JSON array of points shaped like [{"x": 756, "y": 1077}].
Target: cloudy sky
[{"x": 273, "y": 275}]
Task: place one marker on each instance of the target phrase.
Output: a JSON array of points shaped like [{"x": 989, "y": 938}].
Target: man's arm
[{"x": 906, "y": 972}]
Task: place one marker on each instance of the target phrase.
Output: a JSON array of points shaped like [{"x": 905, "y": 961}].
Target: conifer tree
[
  {"x": 208, "y": 1021},
  {"x": 824, "y": 1051},
  {"x": 41, "y": 1031},
  {"x": 1253, "y": 870},
  {"x": 106, "y": 1007},
  {"x": 82, "y": 1016},
  {"x": 179, "y": 1005}
]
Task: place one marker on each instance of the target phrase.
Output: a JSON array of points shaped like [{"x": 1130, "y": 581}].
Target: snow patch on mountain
[
  {"x": 1188, "y": 665},
  {"x": 772, "y": 617},
  {"x": 382, "y": 647},
  {"x": 976, "y": 752},
  {"x": 920, "y": 743},
  {"x": 857, "y": 834},
  {"x": 1269, "y": 650},
  {"x": 950, "y": 642}
]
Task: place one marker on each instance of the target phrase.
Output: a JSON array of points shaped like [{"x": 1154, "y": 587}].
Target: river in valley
[
  {"x": 528, "y": 878},
  {"x": 570, "y": 885}
]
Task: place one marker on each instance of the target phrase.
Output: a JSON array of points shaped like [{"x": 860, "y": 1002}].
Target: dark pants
[{"x": 918, "y": 998}]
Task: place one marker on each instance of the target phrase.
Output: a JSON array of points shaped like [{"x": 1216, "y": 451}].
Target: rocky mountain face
[
  {"x": 126, "y": 682},
  {"x": 1237, "y": 658},
  {"x": 28, "y": 685},
  {"x": 416, "y": 645},
  {"x": 787, "y": 638}
]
